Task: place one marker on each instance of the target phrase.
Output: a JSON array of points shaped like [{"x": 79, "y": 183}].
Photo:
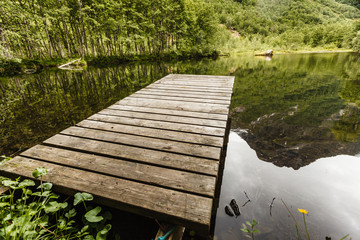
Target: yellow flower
[{"x": 303, "y": 211}]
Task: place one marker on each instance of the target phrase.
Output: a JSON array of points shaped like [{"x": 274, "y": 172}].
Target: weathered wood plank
[
  {"x": 192, "y": 87},
  {"x": 160, "y": 125},
  {"x": 188, "y": 89},
  {"x": 165, "y": 118},
  {"x": 197, "y": 78},
  {"x": 181, "y": 113},
  {"x": 182, "y": 99},
  {"x": 184, "y": 209},
  {"x": 183, "y": 82},
  {"x": 177, "y": 105},
  {"x": 215, "y": 94},
  {"x": 175, "y": 76},
  {"x": 154, "y": 157},
  {"x": 168, "y": 178},
  {"x": 146, "y": 142},
  {"x": 153, "y": 132},
  {"x": 182, "y": 94}
]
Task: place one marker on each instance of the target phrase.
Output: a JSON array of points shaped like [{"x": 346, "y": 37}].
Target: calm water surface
[{"x": 295, "y": 132}]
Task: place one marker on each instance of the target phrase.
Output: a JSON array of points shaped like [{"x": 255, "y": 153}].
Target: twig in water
[
  {"x": 247, "y": 196},
  {"x": 297, "y": 224},
  {"x": 271, "y": 205},
  {"x": 245, "y": 203}
]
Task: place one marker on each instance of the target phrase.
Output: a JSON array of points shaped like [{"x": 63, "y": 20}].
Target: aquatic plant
[{"x": 251, "y": 229}]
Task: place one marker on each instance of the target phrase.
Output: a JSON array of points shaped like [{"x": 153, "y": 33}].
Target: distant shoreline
[{"x": 319, "y": 51}]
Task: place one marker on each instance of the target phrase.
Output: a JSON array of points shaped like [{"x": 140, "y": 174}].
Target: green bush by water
[{"x": 27, "y": 212}]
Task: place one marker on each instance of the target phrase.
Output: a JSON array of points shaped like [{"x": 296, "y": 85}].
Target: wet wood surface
[{"x": 156, "y": 153}]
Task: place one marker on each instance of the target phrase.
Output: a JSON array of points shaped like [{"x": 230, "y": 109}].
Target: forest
[{"x": 103, "y": 30}]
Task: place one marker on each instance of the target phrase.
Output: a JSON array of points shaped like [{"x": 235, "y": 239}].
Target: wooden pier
[{"x": 158, "y": 152}]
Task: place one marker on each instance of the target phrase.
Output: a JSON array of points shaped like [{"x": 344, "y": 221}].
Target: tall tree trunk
[
  {"x": 65, "y": 30},
  {"x": 46, "y": 30}
]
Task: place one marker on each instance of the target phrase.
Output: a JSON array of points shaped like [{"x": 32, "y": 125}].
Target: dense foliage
[
  {"x": 58, "y": 28},
  {"x": 291, "y": 24},
  {"x": 40, "y": 29}
]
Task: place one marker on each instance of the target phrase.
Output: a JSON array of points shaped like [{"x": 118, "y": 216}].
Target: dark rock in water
[
  {"x": 228, "y": 211},
  {"x": 235, "y": 207}
]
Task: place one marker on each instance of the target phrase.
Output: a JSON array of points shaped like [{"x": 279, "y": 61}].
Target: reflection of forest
[
  {"x": 34, "y": 107},
  {"x": 296, "y": 114},
  {"x": 296, "y": 108}
]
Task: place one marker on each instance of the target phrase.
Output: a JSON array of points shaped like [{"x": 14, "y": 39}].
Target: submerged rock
[{"x": 235, "y": 207}]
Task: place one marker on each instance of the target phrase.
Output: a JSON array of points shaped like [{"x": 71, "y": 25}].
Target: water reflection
[
  {"x": 35, "y": 107},
  {"x": 298, "y": 108},
  {"x": 327, "y": 188}
]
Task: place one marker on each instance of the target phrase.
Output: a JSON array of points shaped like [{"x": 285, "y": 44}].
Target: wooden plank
[
  {"x": 146, "y": 142},
  {"x": 154, "y": 157},
  {"x": 153, "y": 132},
  {"x": 221, "y": 85},
  {"x": 182, "y": 94},
  {"x": 163, "y": 117},
  {"x": 182, "y": 99},
  {"x": 182, "y": 91},
  {"x": 180, "y": 113},
  {"x": 160, "y": 125},
  {"x": 182, "y": 208},
  {"x": 177, "y": 77},
  {"x": 176, "y": 105},
  {"x": 192, "y": 87},
  {"x": 188, "y": 89},
  {"x": 197, "y": 77},
  {"x": 168, "y": 178}
]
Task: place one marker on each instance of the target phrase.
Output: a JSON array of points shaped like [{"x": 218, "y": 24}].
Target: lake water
[{"x": 295, "y": 132}]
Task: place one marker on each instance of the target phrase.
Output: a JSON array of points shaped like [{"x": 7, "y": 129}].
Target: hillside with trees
[
  {"x": 145, "y": 29},
  {"x": 291, "y": 24},
  {"x": 57, "y": 28}
]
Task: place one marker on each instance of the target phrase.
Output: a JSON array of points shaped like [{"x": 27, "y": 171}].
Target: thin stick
[
  {"x": 271, "y": 205},
  {"x": 160, "y": 226},
  {"x": 297, "y": 224},
  {"x": 49, "y": 231}
]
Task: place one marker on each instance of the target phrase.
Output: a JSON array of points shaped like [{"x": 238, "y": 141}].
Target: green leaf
[
  {"x": 102, "y": 234},
  {"x": 344, "y": 237},
  {"x": 9, "y": 183},
  {"x": 71, "y": 213},
  {"x": 248, "y": 223},
  {"x": 3, "y": 204},
  {"x": 54, "y": 206},
  {"x": 256, "y": 231},
  {"x": 27, "y": 183},
  {"x": 47, "y": 186},
  {"x": 91, "y": 216},
  {"x": 254, "y": 222},
  {"x": 84, "y": 229},
  {"x": 89, "y": 237},
  {"x": 245, "y": 230},
  {"x": 39, "y": 172},
  {"x": 80, "y": 197}
]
